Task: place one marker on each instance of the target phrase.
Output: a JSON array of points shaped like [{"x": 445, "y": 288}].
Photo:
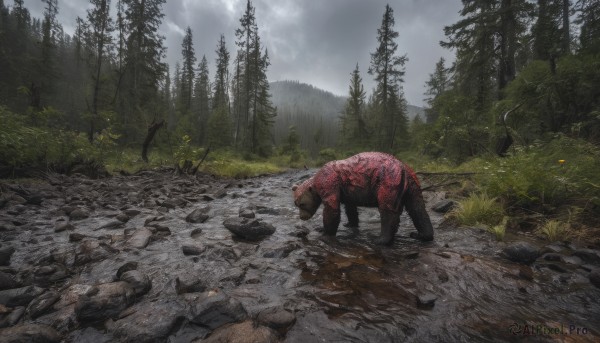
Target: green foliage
[
  {"x": 499, "y": 230},
  {"x": 326, "y": 155},
  {"x": 24, "y": 146},
  {"x": 186, "y": 152},
  {"x": 533, "y": 176},
  {"x": 555, "y": 230},
  {"x": 219, "y": 128},
  {"x": 225, "y": 163},
  {"x": 478, "y": 208}
]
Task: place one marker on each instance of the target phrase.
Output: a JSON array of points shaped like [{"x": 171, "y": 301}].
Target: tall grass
[
  {"x": 555, "y": 230},
  {"x": 478, "y": 208}
]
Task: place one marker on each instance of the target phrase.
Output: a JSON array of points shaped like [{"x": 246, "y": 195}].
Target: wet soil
[{"x": 122, "y": 259}]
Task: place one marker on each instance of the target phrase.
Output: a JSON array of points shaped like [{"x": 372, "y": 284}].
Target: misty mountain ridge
[{"x": 298, "y": 96}]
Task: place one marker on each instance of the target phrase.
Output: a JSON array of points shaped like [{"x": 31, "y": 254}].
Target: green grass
[
  {"x": 478, "y": 208},
  {"x": 555, "y": 230},
  {"x": 499, "y": 230}
]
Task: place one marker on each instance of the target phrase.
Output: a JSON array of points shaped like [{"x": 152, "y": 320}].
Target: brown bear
[{"x": 371, "y": 179}]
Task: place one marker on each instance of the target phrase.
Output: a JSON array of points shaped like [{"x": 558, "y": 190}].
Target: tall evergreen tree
[
  {"x": 246, "y": 67},
  {"x": 48, "y": 71},
  {"x": 202, "y": 99},
  {"x": 388, "y": 68},
  {"x": 219, "y": 122},
  {"x": 144, "y": 63},
  {"x": 354, "y": 131},
  {"x": 589, "y": 19},
  {"x": 187, "y": 71},
  {"x": 99, "y": 44},
  {"x": 438, "y": 82}
]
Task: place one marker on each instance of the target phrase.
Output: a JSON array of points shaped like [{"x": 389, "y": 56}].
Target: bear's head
[{"x": 306, "y": 199}]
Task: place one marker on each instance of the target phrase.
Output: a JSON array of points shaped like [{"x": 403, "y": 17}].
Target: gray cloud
[{"x": 314, "y": 41}]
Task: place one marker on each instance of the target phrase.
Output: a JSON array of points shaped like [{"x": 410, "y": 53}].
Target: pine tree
[
  {"x": 354, "y": 130},
  {"x": 48, "y": 72},
  {"x": 436, "y": 85},
  {"x": 246, "y": 67},
  {"x": 144, "y": 66},
  {"x": 388, "y": 69},
  {"x": 263, "y": 110},
  {"x": 202, "y": 99},
  {"x": 99, "y": 45},
  {"x": 589, "y": 19},
  {"x": 219, "y": 122},
  {"x": 187, "y": 71}
]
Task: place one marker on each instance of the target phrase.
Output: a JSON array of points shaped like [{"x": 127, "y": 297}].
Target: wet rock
[
  {"x": 250, "y": 229},
  {"x": 193, "y": 249},
  {"x": 588, "y": 255},
  {"x": 189, "y": 283},
  {"x": 443, "y": 206},
  {"x": 89, "y": 335},
  {"x": 140, "y": 282},
  {"x": 149, "y": 322},
  {"x": 42, "y": 304},
  {"x": 521, "y": 252},
  {"x": 197, "y": 216},
  {"x": 301, "y": 231},
  {"x": 7, "y": 282},
  {"x": 245, "y": 332},
  {"x": 29, "y": 333},
  {"x": 443, "y": 276},
  {"x": 122, "y": 217},
  {"x": 63, "y": 226},
  {"x": 595, "y": 278},
  {"x": 140, "y": 238},
  {"x": 572, "y": 260},
  {"x": 276, "y": 318},
  {"x": 215, "y": 308},
  {"x": 131, "y": 212},
  {"x": 126, "y": 267},
  {"x": 426, "y": 300},
  {"x": 111, "y": 224},
  {"x": 196, "y": 232},
  {"x": 410, "y": 255},
  {"x": 268, "y": 210},
  {"x": 281, "y": 252},
  {"x": 104, "y": 301},
  {"x": 79, "y": 214},
  {"x": 551, "y": 257},
  {"x": 5, "y": 255},
  {"x": 247, "y": 213},
  {"x": 13, "y": 317},
  {"x": 19, "y": 296},
  {"x": 47, "y": 275},
  {"x": 90, "y": 251},
  {"x": 76, "y": 237},
  {"x": 173, "y": 203}
]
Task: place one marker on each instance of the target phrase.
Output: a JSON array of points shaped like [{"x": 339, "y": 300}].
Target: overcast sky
[{"x": 317, "y": 42}]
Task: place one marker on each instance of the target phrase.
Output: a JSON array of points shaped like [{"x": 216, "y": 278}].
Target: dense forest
[{"x": 525, "y": 72}]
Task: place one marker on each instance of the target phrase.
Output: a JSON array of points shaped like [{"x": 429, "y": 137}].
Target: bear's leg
[
  {"x": 415, "y": 206},
  {"x": 352, "y": 214},
  {"x": 331, "y": 220},
  {"x": 389, "y": 226}
]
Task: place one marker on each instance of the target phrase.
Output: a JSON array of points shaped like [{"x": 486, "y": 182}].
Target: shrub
[{"x": 326, "y": 155}]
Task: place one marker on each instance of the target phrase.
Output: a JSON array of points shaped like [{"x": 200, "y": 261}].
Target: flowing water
[{"x": 343, "y": 289}]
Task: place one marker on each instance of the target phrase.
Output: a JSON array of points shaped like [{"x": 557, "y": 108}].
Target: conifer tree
[
  {"x": 388, "y": 68},
  {"x": 202, "y": 99},
  {"x": 436, "y": 85},
  {"x": 187, "y": 72},
  {"x": 354, "y": 131},
  {"x": 99, "y": 45}
]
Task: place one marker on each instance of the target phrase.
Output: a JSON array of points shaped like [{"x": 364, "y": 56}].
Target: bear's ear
[
  {"x": 310, "y": 189},
  {"x": 294, "y": 187}
]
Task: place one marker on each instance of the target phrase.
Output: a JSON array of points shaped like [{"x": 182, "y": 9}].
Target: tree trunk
[{"x": 151, "y": 132}]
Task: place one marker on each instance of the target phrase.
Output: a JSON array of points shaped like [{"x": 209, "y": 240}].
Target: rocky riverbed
[{"x": 154, "y": 257}]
